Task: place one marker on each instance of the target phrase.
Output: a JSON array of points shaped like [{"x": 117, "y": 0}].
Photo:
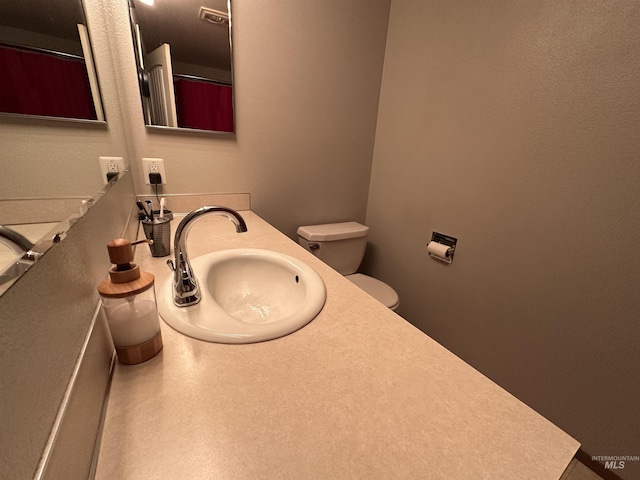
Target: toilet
[{"x": 342, "y": 246}]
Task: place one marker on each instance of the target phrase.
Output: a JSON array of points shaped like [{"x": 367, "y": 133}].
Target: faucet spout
[
  {"x": 185, "y": 286},
  {"x": 14, "y": 240}
]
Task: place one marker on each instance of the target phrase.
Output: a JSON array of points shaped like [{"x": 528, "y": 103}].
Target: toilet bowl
[
  {"x": 377, "y": 289},
  {"x": 342, "y": 246}
]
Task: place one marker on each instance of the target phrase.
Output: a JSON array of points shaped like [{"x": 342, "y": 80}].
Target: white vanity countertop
[{"x": 357, "y": 393}]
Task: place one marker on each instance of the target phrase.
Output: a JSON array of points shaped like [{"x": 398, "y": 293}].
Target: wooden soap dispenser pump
[{"x": 129, "y": 303}]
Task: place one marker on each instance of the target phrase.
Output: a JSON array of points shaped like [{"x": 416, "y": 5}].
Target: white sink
[{"x": 248, "y": 295}]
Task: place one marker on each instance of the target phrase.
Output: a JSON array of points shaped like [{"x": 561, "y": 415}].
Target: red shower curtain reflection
[
  {"x": 35, "y": 83},
  {"x": 204, "y": 105}
]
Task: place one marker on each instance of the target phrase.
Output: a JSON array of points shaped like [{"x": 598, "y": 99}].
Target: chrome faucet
[
  {"x": 15, "y": 241},
  {"x": 29, "y": 252},
  {"x": 185, "y": 286}
]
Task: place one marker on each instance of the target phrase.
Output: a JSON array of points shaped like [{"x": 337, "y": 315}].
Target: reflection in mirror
[
  {"x": 183, "y": 55},
  {"x": 30, "y": 227},
  {"x": 18, "y": 251},
  {"x": 46, "y": 61}
]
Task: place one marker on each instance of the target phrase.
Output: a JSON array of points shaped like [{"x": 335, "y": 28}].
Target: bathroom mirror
[
  {"x": 184, "y": 62},
  {"x": 46, "y": 61}
]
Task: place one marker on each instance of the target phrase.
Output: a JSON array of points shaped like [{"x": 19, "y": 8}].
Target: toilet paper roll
[{"x": 439, "y": 250}]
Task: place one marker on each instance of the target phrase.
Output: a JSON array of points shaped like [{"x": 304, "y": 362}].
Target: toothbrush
[
  {"x": 162, "y": 202},
  {"x": 150, "y": 205},
  {"x": 142, "y": 209}
]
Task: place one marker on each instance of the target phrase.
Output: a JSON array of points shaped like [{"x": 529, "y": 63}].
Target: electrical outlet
[
  {"x": 153, "y": 165},
  {"x": 110, "y": 165}
]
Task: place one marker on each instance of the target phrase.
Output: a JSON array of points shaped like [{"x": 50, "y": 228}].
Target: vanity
[{"x": 356, "y": 393}]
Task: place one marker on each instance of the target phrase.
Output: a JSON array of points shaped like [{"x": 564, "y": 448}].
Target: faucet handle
[{"x": 172, "y": 267}]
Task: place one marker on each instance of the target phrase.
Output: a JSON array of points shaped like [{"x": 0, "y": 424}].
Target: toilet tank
[{"x": 339, "y": 245}]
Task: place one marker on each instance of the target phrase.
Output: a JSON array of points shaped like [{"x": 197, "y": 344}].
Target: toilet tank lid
[{"x": 333, "y": 231}]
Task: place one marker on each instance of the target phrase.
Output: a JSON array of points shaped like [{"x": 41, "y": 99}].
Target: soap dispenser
[{"x": 129, "y": 303}]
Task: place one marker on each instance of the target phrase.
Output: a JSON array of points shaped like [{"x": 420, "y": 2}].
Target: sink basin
[{"x": 248, "y": 295}]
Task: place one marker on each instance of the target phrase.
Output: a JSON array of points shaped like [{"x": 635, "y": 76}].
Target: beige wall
[
  {"x": 513, "y": 126},
  {"x": 307, "y": 82}
]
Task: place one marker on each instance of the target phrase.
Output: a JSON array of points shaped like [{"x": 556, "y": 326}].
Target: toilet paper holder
[{"x": 442, "y": 247}]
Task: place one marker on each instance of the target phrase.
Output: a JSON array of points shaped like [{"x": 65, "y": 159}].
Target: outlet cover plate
[
  {"x": 153, "y": 165},
  {"x": 110, "y": 165}
]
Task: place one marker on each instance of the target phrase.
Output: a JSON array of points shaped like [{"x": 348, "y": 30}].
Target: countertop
[{"x": 357, "y": 393}]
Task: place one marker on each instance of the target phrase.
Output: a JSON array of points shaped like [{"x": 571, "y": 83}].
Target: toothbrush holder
[{"x": 158, "y": 230}]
